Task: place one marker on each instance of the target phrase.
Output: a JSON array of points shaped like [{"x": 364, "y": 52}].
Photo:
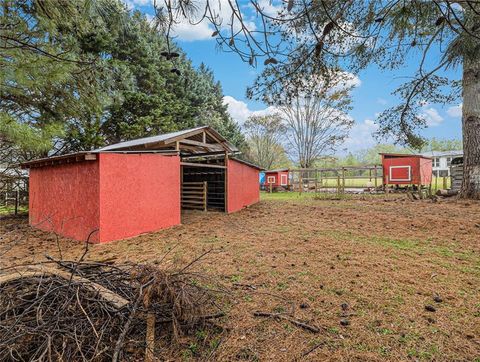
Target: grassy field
[
  {"x": 384, "y": 279},
  {"x": 437, "y": 182}
]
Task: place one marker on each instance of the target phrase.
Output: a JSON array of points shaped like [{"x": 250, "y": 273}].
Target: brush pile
[{"x": 84, "y": 311}]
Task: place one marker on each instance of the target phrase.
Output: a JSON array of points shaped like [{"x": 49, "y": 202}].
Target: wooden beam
[
  {"x": 208, "y": 146},
  {"x": 56, "y": 160},
  {"x": 192, "y": 164},
  {"x": 201, "y": 155},
  {"x": 183, "y": 136}
]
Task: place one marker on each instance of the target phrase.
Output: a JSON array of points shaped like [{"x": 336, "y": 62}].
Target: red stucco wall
[
  {"x": 65, "y": 199},
  {"x": 242, "y": 186},
  {"x": 138, "y": 193}
]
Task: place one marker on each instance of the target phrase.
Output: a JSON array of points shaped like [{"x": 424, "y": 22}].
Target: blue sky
[{"x": 371, "y": 96}]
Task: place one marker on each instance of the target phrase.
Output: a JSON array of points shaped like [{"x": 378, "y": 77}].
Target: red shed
[
  {"x": 139, "y": 186},
  {"x": 276, "y": 178},
  {"x": 402, "y": 169}
]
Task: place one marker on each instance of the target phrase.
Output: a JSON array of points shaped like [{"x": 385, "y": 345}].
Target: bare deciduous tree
[
  {"x": 316, "y": 119},
  {"x": 264, "y": 135}
]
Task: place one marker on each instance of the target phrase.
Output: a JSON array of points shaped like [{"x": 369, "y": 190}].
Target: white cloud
[
  {"x": 455, "y": 111},
  {"x": 240, "y": 112},
  {"x": 202, "y": 29},
  {"x": 350, "y": 80},
  {"x": 188, "y": 32},
  {"x": 431, "y": 116},
  {"x": 382, "y": 101},
  {"x": 361, "y": 136},
  {"x": 269, "y": 7}
]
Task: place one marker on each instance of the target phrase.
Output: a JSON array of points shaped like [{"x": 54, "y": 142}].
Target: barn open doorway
[{"x": 203, "y": 188}]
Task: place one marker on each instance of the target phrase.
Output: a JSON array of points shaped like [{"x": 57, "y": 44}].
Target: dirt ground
[{"x": 374, "y": 265}]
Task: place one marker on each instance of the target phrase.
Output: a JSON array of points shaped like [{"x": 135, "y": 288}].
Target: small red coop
[
  {"x": 276, "y": 178},
  {"x": 404, "y": 169}
]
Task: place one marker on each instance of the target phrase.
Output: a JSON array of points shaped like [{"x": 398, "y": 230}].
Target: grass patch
[
  {"x": 10, "y": 210},
  {"x": 420, "y": 247}
]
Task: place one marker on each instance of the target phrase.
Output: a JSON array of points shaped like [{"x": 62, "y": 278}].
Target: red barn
[
  {"x": 401, "y": 169},
  {"x": 276, "y": 178},
  {"x": 138, "y": 186}
]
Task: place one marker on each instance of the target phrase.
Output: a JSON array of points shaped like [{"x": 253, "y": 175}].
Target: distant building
[{"x": 442, "y": 161}]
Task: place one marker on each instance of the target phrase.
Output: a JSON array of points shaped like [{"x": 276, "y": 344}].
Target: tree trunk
[{"x": 471, "y": 129}]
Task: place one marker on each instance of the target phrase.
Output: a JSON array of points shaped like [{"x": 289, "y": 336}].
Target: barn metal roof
[
  {"x": 165, "y": 138},
  {"x": 201, "y": 141},
  {"x": 454, "y": 153}
]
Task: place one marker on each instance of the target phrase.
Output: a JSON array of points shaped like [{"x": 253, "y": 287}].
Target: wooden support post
[
  {"x": 270, "y": 187},
  {"x": 150, "y": 338},
  {"x": 17, "y": 201},
  {"x": 436, "y": 182},
  {"x": 376, "y": 176},
  {"x": 205, "y": 195},
  {"x": 444, "y": 183},
  {"x": 316, "y": 180},
  {"x": 343, "y": 180},
  {"x": 338, "y": 184}
]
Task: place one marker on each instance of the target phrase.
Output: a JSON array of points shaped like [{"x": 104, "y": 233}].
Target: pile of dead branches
[{"x": 84, "y": 311}]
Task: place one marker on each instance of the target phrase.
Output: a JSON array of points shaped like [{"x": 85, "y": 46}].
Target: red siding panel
[
  {"x": 278, "y": 178},
  {"x": 396, "y": 170},
  {"x": 65, "y": 199},
  {"x": 242, "y": 186},
  {"x": 139, "y": 193}
]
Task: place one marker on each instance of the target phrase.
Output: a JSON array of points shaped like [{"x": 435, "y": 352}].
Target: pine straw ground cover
[{"x": 382, "y": 279}]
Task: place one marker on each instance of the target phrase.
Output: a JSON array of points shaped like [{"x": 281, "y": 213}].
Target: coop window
[
  {"x": 283, "y": 179},
  {"x": 449, "y": 161},
  {"x": 271, "y": 179},
  {"x": 436, "y": 162},
  {"x": 400, "y": 173}
]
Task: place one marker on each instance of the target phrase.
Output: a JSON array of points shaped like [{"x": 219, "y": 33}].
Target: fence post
[
  {"x": 343, "y": 180},
  {"x": 205, "y": 195},
  {"x": 376, "y": 175},
  {"x": 17, "y": 201},
  {"x": 300, "y": 181},
  {"x": 444, "y": 183},
  {"x": 338, "y": 184}
]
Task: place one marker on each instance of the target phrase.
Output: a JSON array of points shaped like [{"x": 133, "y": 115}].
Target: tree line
[
  {"x": 77, "y": 75},
  {"x": 270, "y": 145}
]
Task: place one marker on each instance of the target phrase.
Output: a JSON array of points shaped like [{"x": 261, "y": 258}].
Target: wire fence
[
  {"x": 13, "y": 195},
  {"x": 350, "y": 179}
]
